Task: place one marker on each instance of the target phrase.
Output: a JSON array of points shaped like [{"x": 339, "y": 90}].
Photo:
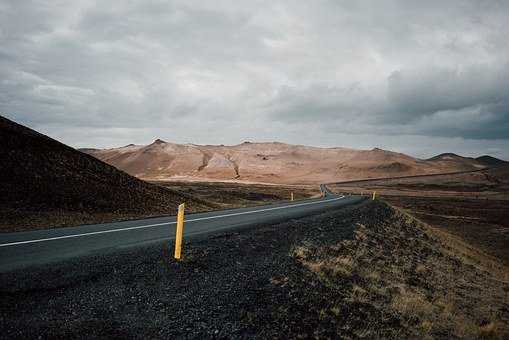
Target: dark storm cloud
[
  {"x": 470, "y": 103},
  {"x": 430, "y": 91},
  {"x": 110, "y": 73}
]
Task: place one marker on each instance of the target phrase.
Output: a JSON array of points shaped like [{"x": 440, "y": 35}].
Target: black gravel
[{"x": 236, "y": 285}]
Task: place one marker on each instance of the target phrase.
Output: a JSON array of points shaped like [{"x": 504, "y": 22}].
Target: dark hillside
[
  {"x": 46, "y": 183},
  {"x": 491, "y": 161}
]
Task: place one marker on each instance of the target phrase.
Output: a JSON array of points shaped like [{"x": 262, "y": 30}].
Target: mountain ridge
[{"x": 273, "y": 162}]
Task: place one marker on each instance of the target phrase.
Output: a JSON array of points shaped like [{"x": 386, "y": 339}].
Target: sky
[{"x": 419, "y": 77}]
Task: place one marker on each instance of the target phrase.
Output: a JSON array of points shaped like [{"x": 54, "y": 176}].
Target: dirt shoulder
[{"x": 367, "y": 271}]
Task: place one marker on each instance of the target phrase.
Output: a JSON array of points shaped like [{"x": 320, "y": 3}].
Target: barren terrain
[
  {"x": 236, "y": 195},
  {"x": 472, "y": 206},
  {"x": 274, "y": 162},
  {"x": 44, "y": 183},
  {"x": 47, "y": 184},
  {"x": 361, "y": 272}
]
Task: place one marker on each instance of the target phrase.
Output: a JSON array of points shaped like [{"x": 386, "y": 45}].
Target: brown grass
[
  {"x": 471, "y": 206},
  {"x": 439, "y": 286},
  {"x": 456, "y": 246}
]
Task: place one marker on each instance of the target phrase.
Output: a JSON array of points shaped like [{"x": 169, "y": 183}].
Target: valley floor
[
  {"x": 236, "y": 195},
  {"x": 367, "y": 271},
  {"x": 203, "y": 196}
]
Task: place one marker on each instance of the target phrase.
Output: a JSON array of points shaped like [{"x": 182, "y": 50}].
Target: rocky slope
[
  {"x": 46, "y": 183},
  {"x": 273, "y": 162}
]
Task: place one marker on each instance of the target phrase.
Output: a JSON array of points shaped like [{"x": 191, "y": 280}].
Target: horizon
[
  {"x": 279, "y": 142},
  {"x": 411, "y": 77},
  {"x": 153, "y": 140}
]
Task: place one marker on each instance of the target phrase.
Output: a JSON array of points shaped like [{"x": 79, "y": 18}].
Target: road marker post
[
  {"x": 179, "y": 231},
  {"x": 291, "y": 198},
  {"x": 374, "y": 195}
]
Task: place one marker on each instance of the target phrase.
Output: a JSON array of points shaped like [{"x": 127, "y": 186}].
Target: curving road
[{"x": 22, "y": 249}]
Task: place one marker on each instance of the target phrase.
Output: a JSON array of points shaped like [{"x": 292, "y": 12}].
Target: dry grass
[
  {"x": 437, "y": 285},
  {"x": 472, "y": 205},
  {"x": 456, "y": 246}
]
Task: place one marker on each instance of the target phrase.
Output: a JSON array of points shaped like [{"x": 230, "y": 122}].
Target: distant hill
[
  {"x": 453, "y": 161},
  {"x": 491, "y": 161},
  {"x": 44, "y": 182},
  {"x": 272, "y": 162},
  {"x": 446, "y": 156}
]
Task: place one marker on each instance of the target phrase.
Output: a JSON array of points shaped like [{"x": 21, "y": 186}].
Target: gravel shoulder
[{"x": 367, "y": 271}]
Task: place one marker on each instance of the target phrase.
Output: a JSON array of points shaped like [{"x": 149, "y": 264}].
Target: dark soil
[
  {"x": 46, "y": 183},
  {"x": 486, "y": 184},
  {"x": 482, "y": 223},
  {"x": 359, "y": 272},
  {"x": 235, "y": 195},
  {"x": 473, "y": 205}
]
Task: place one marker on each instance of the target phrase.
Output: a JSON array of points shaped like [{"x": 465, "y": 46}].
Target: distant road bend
[{"x": 22, "y": 249}]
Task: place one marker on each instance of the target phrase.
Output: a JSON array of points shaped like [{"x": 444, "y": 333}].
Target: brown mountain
[
  {"x": 44, "y": 182},
  {"x": 271, "y": 162}
]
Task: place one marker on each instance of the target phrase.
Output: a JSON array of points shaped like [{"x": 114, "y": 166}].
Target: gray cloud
[
  {"x": 357, "y": 74},
  {"x": 470, "y": 103}
]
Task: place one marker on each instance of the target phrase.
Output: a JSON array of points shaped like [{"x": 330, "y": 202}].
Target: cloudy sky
[{"x": 420, "y": 77}]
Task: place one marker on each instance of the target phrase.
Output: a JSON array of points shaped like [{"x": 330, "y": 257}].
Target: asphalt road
[{"x": 23, "y": 249}]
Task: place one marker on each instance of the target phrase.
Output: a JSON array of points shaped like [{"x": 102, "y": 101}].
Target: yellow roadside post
[
  {"x": 180, "y": 231},
  {"x": 374, "y": 195},
  {"x": 291, "y": 196}
]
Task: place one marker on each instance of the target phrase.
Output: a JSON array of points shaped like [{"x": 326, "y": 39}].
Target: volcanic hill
[
  {"x": 46, "y": 183},
  {"x": 273, "y": 162}
]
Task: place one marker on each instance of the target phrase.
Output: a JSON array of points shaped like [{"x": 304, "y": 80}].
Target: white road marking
[{"x": 166, "y": 223}]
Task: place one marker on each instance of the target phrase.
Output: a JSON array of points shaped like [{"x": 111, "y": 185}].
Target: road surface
[{"x": 23, "y": 249}]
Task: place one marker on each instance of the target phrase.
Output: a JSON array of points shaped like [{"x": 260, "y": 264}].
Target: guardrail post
[
  {"x": 291, "y": 196},
  {"x": 374, "y": 195},
  {"x": 179, "y": 231}
]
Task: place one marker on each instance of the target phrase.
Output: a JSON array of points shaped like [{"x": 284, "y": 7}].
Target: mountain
[
  {"x": 271, "y": 162},
  {"x": 491, "y": 161},
  {"x": 460, "y": 163},
  {"x": 44, "y": 182}
]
